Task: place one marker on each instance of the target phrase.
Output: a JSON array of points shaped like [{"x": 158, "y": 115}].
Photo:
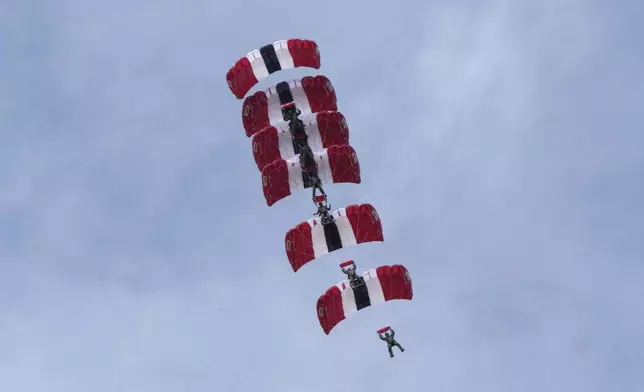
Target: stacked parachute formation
[{"x": 301, "y": 141}]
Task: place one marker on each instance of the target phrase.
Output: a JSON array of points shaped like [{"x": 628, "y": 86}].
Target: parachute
[
  {"x": 300, "y": 140},
  {"x": 260, "y": 63},
  {"x": 382, "y": 284},
  {"x": 336, "y": 164},
  {"x": 311, "y": 94},
  {"x": 324, "y": 129},
  {"x": 352, "y": 225}
]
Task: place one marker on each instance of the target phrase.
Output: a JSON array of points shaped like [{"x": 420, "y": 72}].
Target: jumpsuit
[{"x": 391, "y": 342}]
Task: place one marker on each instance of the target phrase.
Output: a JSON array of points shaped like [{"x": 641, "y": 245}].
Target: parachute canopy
[
  {"x": 324, "y": 129},
  {"x": 336, "y": 164},
  {"x": 352, "y": 225},
  {"x": 382, "y": 284},
  {"x": 260, "y": 63},
  {"x": 311, "y": 94}
]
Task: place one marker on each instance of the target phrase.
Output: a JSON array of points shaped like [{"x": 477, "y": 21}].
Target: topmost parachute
[{"x": 260, "y": 63}]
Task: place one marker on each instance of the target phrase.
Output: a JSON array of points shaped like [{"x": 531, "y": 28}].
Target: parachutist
[
  {"x": 351, "y": 273},
  {"x": 307, "y": 159},
  {"x": 290, "y": 112},
  {"x": 298, "y": 131},
  {"x": 310, "y": 169},
  {"x": 323, "y": 213},
  {"x": 391, "y": 342}
]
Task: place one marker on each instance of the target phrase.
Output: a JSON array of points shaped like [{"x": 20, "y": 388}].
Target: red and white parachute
[
  {"x": 352, "y": 225},
  {"x": 336, "y": 164},
  {"x": 311, "y": 94},
  {"x": 300, "y": 140},
  {"x": 324, "y": 129},
  {"x": 382, "y": 284},
  {"x": 268, "y": 59}
]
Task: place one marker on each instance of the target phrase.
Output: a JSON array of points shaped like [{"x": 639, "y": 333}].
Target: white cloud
[{"x": 498, "y": 141}]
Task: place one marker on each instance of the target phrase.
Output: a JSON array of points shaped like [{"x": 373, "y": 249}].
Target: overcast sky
[{"x": 501, "y": 142}]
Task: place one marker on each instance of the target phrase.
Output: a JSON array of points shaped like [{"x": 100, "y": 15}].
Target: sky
[{"x": 500, "y": 142}]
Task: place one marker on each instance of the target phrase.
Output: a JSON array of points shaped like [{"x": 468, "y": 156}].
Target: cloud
[{"x": 499, "y": 143}]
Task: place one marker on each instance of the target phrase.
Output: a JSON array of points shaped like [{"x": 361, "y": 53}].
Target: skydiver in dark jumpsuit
[
  {"x": 290, "y": 111},
  {"x": 298, "y": 131},
  {"x": 295, "y": 125},
  {"x": 310, "y": 168},
  {"x": 323, "y": 213},
  {"x": 354, "y": 279},
  {"x": 391, "y": 342}
]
